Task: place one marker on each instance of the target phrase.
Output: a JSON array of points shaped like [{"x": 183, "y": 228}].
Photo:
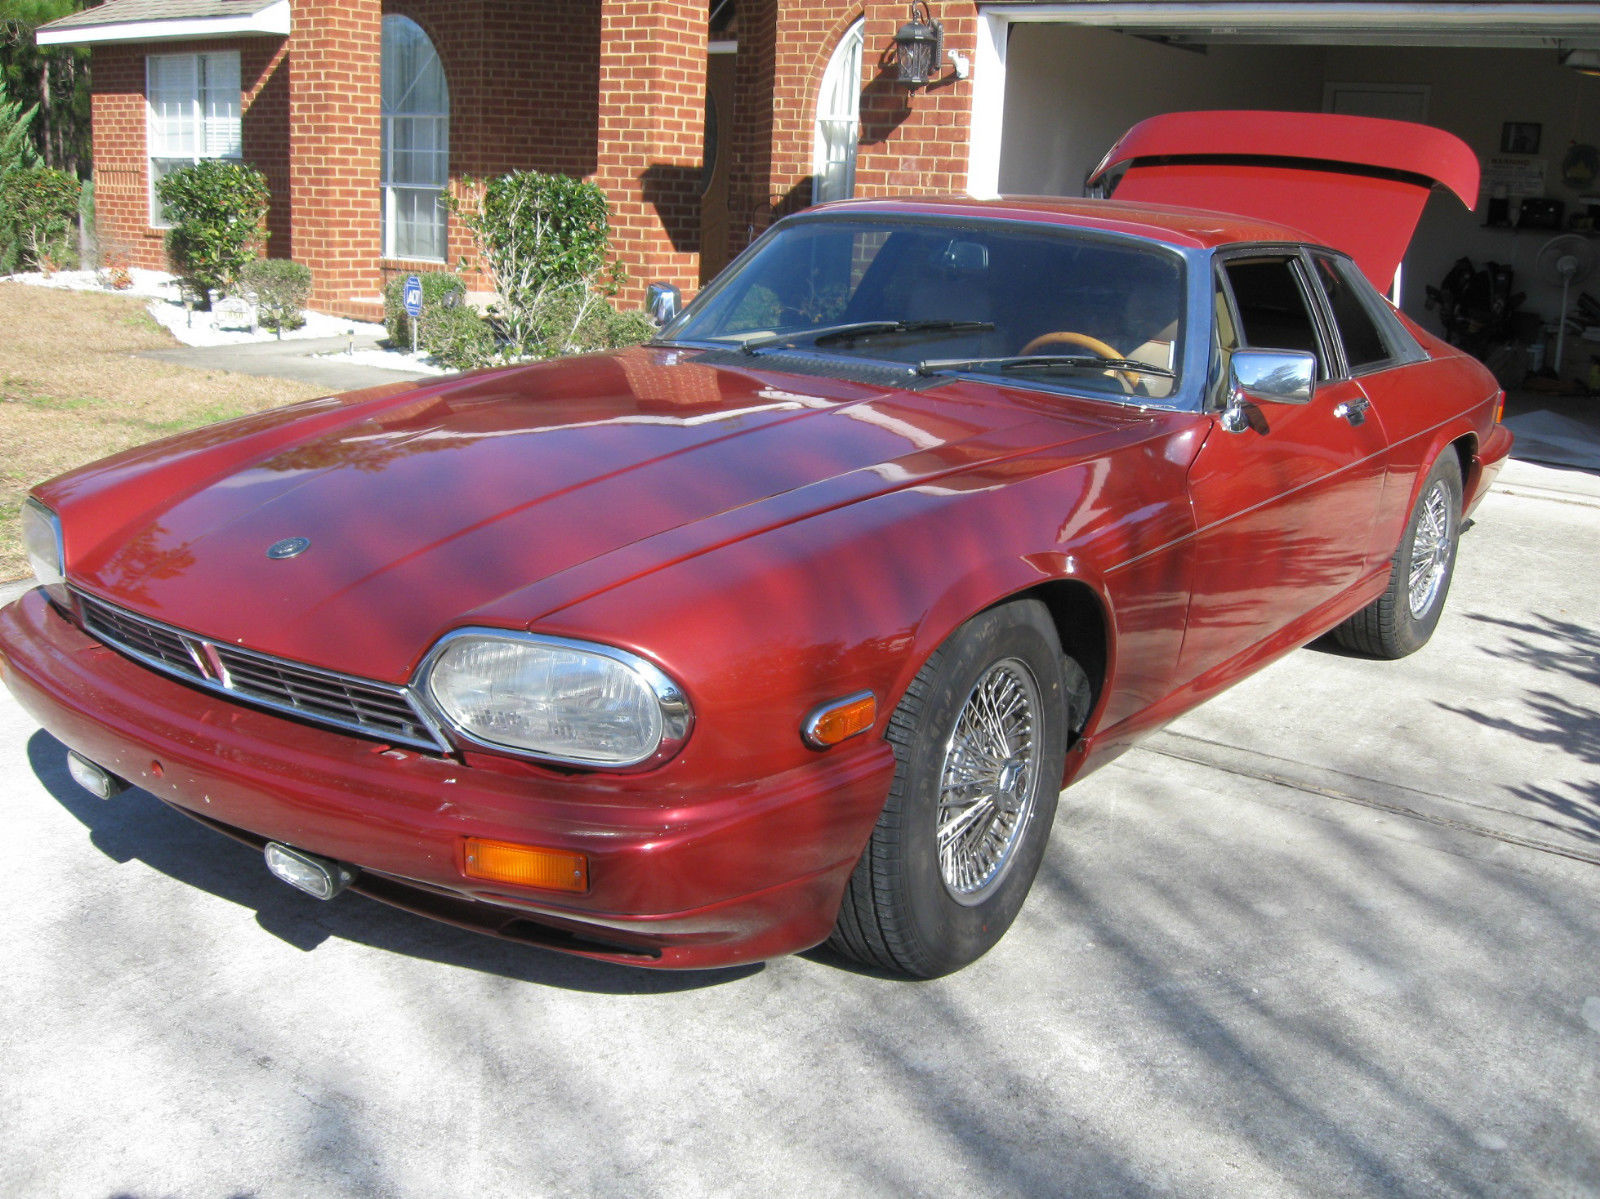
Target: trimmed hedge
[
  {"x": 218, "y": 207},
  {"x": 38, "y": 219},
  {"x": 281, "y": 289}
]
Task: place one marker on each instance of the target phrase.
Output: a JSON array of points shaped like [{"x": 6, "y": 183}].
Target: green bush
[
  {"x": 545, "y": 239},
  {"x": 281, "y": 289},
  {"x": 38, "y": 219},
  {"x": 16, "y": 145},
  {"x": 457, "y": 337},
  {"x": 575, "y": 320},
  {"x": 440, "y": 289},
  {"x": 217, "y": 207}
]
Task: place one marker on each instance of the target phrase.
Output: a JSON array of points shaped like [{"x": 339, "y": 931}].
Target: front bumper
[{"x": 724, "y": 876}]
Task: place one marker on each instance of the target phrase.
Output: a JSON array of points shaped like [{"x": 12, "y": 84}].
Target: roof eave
[{"x": 272, "y": 21}]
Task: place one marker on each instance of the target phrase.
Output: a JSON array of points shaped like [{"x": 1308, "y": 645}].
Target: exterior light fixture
[
  {"x": 919, "y": 47},
  {"x": 1585, "y": 62}
]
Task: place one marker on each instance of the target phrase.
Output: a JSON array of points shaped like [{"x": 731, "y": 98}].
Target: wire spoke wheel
[
  {"x": 1400, "y": 621},
  {"x": 980, "y": 740},
  {"x": 987, "y": 781},
  {"x": 1430, "y": 549}
]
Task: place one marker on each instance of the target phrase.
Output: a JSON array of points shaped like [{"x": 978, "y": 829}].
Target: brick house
[
  {"x": 360, "y": 112},
  {"x": 703, "y": 119}
]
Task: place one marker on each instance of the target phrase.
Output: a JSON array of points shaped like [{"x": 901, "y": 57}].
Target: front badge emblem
[{"x": 289, "y": 547}]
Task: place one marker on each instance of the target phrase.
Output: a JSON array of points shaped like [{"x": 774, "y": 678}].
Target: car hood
[{"x": 501, "y": 497}]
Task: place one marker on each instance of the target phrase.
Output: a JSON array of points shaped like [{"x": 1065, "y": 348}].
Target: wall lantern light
[
  {"x": 919, "y": 46},
  {"x": 1585, "y": 62}
]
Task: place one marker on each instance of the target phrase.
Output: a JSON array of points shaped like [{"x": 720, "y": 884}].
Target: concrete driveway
[{"x": 1334, "y": 934}]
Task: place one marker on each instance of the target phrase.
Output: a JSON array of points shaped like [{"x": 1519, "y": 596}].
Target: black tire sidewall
[{"x": 947, "y": 933}]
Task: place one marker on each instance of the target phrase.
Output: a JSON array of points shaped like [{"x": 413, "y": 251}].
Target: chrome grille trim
[{"x": 381, "y": 711}]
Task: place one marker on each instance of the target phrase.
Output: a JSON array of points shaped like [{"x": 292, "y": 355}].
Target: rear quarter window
[{"x": 1370, "y": 340}]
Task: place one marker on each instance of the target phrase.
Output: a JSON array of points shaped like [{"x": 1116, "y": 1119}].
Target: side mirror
[
  {"x": 1275, "y": 376},
  {"x": 663, "y": 301}
]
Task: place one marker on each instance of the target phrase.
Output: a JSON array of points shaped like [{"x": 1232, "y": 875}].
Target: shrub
[
  {"x": 440, "y": 289},
  {"x": 281, "y": 289},
  {"x": 545, "y": 241},
  {"x": 576, "y": 320},
  {"x": 217, "y": 207},
  {"x": 39, "y": 211},
  {"x": 16, "y": 146},
  {"x": 457, "y": 336}
]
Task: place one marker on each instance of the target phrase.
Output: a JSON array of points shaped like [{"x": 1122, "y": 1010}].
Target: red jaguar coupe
[{"x": 790, "y": 625}]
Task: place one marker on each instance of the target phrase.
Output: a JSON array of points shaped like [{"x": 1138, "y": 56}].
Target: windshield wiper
[
  {"x": 1042, "y": 362},
  {"x": 855, "y": 329}
]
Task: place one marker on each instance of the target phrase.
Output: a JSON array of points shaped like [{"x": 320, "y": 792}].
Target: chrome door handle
[{"x": 1354, "y": 411}]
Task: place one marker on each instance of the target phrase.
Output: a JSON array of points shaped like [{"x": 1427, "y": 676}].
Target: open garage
[{"x": 1063, "y": 81}]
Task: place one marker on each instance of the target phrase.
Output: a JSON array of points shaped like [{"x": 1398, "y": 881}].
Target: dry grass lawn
[{"x": 72, "y": 390}]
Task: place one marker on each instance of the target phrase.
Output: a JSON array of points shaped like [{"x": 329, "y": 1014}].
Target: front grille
[{"x": 378, "y": 710}]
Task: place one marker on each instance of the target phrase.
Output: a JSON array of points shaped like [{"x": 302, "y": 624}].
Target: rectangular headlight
[
  {"x": 548, "y": 697},
  {"x": 41, "y": 541}
]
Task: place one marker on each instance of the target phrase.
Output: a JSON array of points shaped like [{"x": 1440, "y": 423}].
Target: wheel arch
[
  {"x": 1083, "y": 626},
  {"x": 1466, "y": 451},
  {"x": 1079, "y": 610}
]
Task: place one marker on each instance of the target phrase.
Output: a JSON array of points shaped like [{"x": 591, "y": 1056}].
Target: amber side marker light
[
  {"x": 840, "y": 720},
  {"x": 526, "y": 865},
  {"x": 1500, "y": 408}
]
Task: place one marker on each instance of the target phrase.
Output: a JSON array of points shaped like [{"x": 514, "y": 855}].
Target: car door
[
  {"x": 1284, "y": 508},
  {"x": 1386, "y": 360}
]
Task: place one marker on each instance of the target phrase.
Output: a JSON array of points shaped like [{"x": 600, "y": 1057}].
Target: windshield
[{"x": 1038, "y": 304}]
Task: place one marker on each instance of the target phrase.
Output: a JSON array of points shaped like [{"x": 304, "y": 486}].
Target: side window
[
  {"x": 1364, "y": 343},
  {"x": 1271, "y": 307}
]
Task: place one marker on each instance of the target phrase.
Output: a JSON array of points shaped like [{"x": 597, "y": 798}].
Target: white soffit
[
  {"x": 271, "y": 21},
  {"x": 1506, "y": 26}
]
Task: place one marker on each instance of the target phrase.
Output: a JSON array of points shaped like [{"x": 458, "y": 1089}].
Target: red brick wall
[
  {"x": 121, "y": 160},
  {"x": 333, "y": 167},
  {"x": 914, "y": 139},
  {"x": 121, "y": 169},
  {"x": 612, "y": 91},
  {"x": 524, "y": 92},
  {"x": 911, "y": 140},
  {"x": 649, "y": 148}
]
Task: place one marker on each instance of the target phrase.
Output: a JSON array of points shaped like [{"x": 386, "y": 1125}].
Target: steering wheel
[{"x": 1129, "y": 379}]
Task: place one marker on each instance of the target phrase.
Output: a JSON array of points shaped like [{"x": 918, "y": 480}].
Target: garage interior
[{"x": 1513, "y": 89}]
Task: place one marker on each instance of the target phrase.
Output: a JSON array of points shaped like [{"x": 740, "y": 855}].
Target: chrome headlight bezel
[
  {"x": 50, "y": 572},
  {"x": 671, "y": 701}
]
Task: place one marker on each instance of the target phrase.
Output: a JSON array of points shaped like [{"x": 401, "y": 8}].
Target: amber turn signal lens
[
  {"x": 842, "y": 719},
  {"x": 526, "y": 865},
  {"x": 1500, "y": 408}
]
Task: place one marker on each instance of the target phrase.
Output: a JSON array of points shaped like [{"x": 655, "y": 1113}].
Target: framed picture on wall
[{"x": 1520, "y": 137}]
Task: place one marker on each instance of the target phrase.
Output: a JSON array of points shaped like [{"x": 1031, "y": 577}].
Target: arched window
[
  {"x": 416, "y": 143},
  {"x": 838, "y": 121}
]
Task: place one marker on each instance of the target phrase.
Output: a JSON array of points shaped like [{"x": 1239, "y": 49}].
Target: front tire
[
  {"x": 980, "y": 745},
  {"x": 1400, "y": 621}
]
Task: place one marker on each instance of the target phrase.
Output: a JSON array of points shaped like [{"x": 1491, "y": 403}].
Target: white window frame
[
  {"x": 392, "y": 188},
  {"x": 838, "y": 123},
  {"x": 204, "y": 120}
]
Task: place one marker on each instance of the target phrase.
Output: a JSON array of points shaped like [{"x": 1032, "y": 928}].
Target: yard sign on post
[{"x": 411, "y": 297}]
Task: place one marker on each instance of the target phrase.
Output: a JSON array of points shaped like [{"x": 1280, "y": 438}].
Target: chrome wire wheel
[
  {"x": 988, "y": 781},
  {"x": 1431, "y": 547}
]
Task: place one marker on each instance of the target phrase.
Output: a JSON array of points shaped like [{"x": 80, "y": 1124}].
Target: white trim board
[{"x": 272, "y": 21}]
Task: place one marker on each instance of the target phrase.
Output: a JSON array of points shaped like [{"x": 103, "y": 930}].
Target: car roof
[{"x": 1189, "y": 228}]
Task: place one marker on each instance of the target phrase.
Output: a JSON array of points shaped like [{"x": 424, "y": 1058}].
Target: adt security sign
[{"x": 411, "y": 297}]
